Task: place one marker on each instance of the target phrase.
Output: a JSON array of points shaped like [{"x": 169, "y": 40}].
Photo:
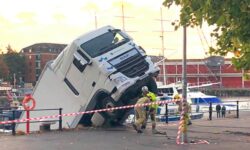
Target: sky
[{"x": 26, "y": 22}]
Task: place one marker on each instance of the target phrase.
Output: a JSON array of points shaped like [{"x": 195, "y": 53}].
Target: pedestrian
[
  {"x": 218, "y": 109},
  {"x": 140, "y": 114},
  {"x": 223, "y": 111},
  {"x": 210, "y": 111},
  {"x": 152, "y": 109}
]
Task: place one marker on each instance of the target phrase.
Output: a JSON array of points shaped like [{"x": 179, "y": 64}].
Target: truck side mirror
[
  {"x": 83, "y": 63},
  {"x": 90, "y": 62}
]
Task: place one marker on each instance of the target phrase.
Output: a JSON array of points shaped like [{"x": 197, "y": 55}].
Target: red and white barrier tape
[
  {"x": 182, "y": 125},
  {"x": 87, "y": 112}
]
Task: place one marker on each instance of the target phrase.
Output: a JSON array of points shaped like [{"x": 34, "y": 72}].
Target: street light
[{"x": 184, "y": 85}]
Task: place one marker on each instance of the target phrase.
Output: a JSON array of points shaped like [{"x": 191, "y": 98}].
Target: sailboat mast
[{"x": 163, "y": 49}]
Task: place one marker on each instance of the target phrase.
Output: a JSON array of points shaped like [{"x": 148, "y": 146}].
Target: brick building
[
  {"x": 36, "y": 57},
  {"x": 200, "y": 71}
]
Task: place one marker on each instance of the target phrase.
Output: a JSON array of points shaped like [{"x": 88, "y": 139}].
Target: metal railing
[
  {"x": 15, "y": 114},
  {"x": 211, "y": 110}
]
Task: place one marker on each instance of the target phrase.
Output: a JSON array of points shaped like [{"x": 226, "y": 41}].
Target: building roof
[{"x": 44, "y": 48}]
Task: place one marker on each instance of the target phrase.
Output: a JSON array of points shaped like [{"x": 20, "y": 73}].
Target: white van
[{"x": 103, "y": 68}]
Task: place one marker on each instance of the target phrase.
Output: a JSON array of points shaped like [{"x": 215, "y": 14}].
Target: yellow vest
[{"x": 152, "y": 97}]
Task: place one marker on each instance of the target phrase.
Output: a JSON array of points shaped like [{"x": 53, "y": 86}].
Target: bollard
[
  {"x": 60, "y": 119},
  {"x": 166, "y": 113},
  {"x": 237, "y": 109},
  {"x": 27, "y": 122},
  {"x": 13, "y": 124},
  {"x": 210, "y": 111}
]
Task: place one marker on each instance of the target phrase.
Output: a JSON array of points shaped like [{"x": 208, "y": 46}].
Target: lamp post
[{"x": 184, "y": 85}]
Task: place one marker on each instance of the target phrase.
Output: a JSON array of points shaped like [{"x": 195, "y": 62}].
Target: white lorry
[{"x": 101, "y": 69}]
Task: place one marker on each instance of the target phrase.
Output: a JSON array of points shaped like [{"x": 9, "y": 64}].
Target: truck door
[
  {"x": 75, "y": 75},
  {"x": 82, "y": 76}
]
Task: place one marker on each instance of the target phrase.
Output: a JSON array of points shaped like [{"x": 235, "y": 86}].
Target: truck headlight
[{"x": 120, "y": 79}]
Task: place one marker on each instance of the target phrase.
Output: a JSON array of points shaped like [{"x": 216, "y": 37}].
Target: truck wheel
[
  {"x": 111, "y": 117},
  {"x": 108, "y": 102}
]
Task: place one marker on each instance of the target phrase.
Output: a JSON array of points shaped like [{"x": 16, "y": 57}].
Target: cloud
[
  {"x": 27, "y": 22},
  {"x": 27, "y": 18},
  {"x": 59, "y": 17},
  {"x": 4, "y": 22}
]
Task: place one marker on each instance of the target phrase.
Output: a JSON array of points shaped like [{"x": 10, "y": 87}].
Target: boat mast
[{"x": 163, "y": 50}]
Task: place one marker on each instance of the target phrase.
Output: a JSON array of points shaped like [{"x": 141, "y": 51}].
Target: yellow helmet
[{"x": 177, "y": 96}]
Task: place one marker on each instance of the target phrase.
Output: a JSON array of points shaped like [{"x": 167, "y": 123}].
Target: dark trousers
[
  {"x": 223, "y": 114},
  {"x": 218, "y": 113}
]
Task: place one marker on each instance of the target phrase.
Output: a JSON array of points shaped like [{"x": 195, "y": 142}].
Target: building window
[
  {"x": 38, "y": 72},
  {"x": 38, "y": 57},
  {"x": 38, "y": 65},
  {"x": 37, "y": 77}
]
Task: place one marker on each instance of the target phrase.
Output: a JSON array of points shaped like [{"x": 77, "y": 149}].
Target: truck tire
[
  {"x": 111, "y": 117},
  {"x": 108, "y": 102}
]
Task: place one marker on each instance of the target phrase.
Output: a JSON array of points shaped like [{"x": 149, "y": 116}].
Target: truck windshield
[{"x": 104, "y": 43}]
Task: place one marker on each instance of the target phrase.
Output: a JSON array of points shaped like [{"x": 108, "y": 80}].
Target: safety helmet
[
  {"x": 144, "y": 89},
  {"x": 177, "y": 96}
]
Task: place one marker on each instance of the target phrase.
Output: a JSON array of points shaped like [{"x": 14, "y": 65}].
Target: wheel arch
[{"x": 99, "y": 94}]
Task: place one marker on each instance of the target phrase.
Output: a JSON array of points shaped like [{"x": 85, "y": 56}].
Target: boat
[
  {"x": 11, "y": 110},
  {"x": 199, "y": 101}
]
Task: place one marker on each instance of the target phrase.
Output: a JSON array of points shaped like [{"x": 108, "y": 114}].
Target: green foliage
[
  {"x": 4, "y": 70},
  {"x": 14, "y": 64},
  {"x": 232, "y": 21}
]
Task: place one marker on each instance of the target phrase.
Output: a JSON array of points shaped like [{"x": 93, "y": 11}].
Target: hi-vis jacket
[{"x": 152, "y": 97}]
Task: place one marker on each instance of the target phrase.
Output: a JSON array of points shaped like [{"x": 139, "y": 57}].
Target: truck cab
[{"x": 100, "y": 69}]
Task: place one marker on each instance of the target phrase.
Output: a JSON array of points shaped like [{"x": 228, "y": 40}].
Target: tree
[
  {"x": 15, "y": 63},
  {"x": 232, "y": 21},
  {"x": 4, "y": 70}
]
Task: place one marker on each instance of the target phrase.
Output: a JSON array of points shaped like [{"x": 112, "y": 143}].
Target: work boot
[
  {"x": 139, "y": 131},
  {"x": 135, "y": 127},
  {"x": 143, "y": 127}
]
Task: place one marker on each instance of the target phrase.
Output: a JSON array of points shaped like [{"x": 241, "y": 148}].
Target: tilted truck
[{"x": 101, "y": 69}]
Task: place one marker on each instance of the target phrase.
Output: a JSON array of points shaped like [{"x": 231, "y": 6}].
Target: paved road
[{"x": 229, "y": 133}]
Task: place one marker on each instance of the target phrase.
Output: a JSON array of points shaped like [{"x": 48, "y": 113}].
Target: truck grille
[{"x": 133, "y": 66}]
